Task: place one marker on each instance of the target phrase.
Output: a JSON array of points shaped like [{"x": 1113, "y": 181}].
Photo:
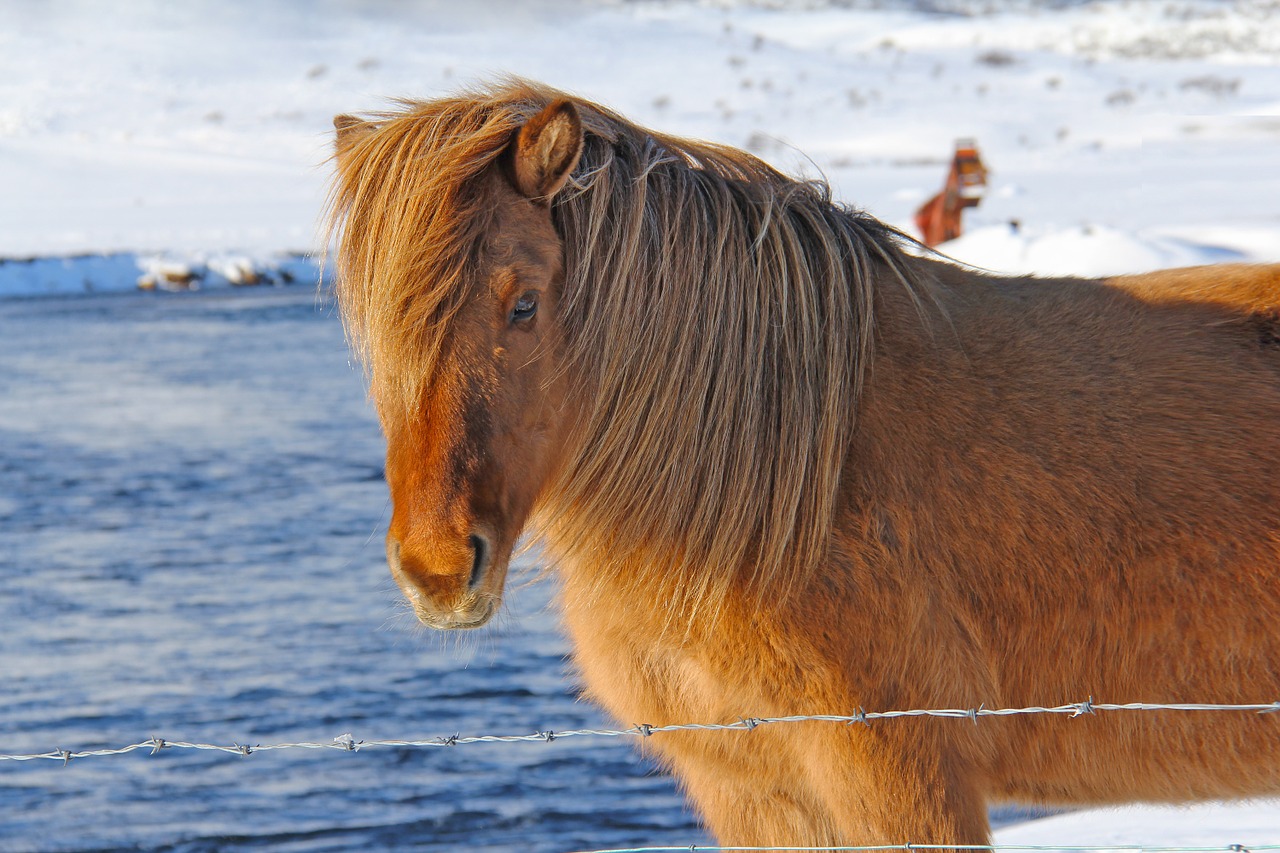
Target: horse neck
[{"x": 906, "y": 322}]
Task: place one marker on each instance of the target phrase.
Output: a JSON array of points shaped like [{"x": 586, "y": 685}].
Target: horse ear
[
  {"x": 546, "y": 150},
  {"x": 350, "y": 130}
]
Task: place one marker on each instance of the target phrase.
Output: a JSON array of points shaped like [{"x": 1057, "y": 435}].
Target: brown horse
[{"x": 782, "y": 466}]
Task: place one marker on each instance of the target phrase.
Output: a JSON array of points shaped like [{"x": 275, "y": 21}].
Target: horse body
[
  {"x": 1038, "y": 491},
  {"x": 1074, "y": 509}
]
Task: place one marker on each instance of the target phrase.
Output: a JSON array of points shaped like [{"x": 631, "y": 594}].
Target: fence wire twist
[{"x": 348, "y": 743}]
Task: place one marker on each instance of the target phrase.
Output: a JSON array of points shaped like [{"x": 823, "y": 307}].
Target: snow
[
  {"x": 1087, "y": 250},
  {"x": 1122, "y": 136},
  {"x": 184, "y": 145},
  {"x": 1221, "y": 825}
]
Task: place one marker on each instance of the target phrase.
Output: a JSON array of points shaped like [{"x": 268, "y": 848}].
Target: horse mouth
[{"x": 461, "y": 619}]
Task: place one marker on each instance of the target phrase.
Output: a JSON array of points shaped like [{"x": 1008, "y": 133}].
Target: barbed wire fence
[{"x": 348, "y": 743}]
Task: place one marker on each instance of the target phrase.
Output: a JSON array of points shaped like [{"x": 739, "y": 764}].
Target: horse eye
[{"x": 526, "y": 307}]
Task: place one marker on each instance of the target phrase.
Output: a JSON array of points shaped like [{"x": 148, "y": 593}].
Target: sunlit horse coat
[{"x": 783, "y": 467}]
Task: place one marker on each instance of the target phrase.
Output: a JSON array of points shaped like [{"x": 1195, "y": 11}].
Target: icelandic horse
[{"x": 782, "y": 466}]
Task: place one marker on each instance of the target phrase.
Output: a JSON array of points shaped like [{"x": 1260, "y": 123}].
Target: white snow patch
[
  {"x": 1248, "y": 824},
  {"x": 1083, "y": 250}
]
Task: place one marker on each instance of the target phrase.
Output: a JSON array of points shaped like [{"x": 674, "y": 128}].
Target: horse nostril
[
  {"x": 418, "y": 579},
  {"x": 480, "y": 560}
]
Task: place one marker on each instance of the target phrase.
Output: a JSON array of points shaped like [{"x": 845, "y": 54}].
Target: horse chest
[{"x": 643, "y": 672}]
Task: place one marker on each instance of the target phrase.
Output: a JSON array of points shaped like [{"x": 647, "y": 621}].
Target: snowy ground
[
  {"x": 1250, "y": 825},
  {"x": 181, "y": 144},
  {"x": 1121, "y": 135}
]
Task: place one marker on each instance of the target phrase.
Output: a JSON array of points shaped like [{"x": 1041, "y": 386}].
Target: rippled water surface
[{"x": 191, "y": 519}]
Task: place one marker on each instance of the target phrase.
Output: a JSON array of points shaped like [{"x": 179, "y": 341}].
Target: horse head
[{"x": 469, "y": 451}]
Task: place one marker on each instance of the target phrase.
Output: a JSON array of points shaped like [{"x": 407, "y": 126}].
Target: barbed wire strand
[{"x": 347, "y": 743}]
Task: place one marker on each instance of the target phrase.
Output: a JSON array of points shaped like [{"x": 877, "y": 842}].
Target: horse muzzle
[{"x": 455, "y": 589}]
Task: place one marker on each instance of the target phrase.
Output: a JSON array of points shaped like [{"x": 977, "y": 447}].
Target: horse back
[{"x": 1248, "y": 287}]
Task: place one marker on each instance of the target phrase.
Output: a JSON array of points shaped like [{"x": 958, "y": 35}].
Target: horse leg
[
  {"x": 819, "y": 784},
  {"x": 745, "y": 810},
  {"x": 885, "y": 786}
]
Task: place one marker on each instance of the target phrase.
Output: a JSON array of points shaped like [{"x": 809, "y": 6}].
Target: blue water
[
  {"x": 192, "y": 509},
  {"x": 191, "y": 520}
]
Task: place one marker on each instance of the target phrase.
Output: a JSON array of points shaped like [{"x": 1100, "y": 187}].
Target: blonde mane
[{"x": 718, "y": 324}]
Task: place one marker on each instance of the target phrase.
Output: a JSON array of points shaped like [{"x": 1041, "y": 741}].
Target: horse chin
[{"x": 473, "y": 615}]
